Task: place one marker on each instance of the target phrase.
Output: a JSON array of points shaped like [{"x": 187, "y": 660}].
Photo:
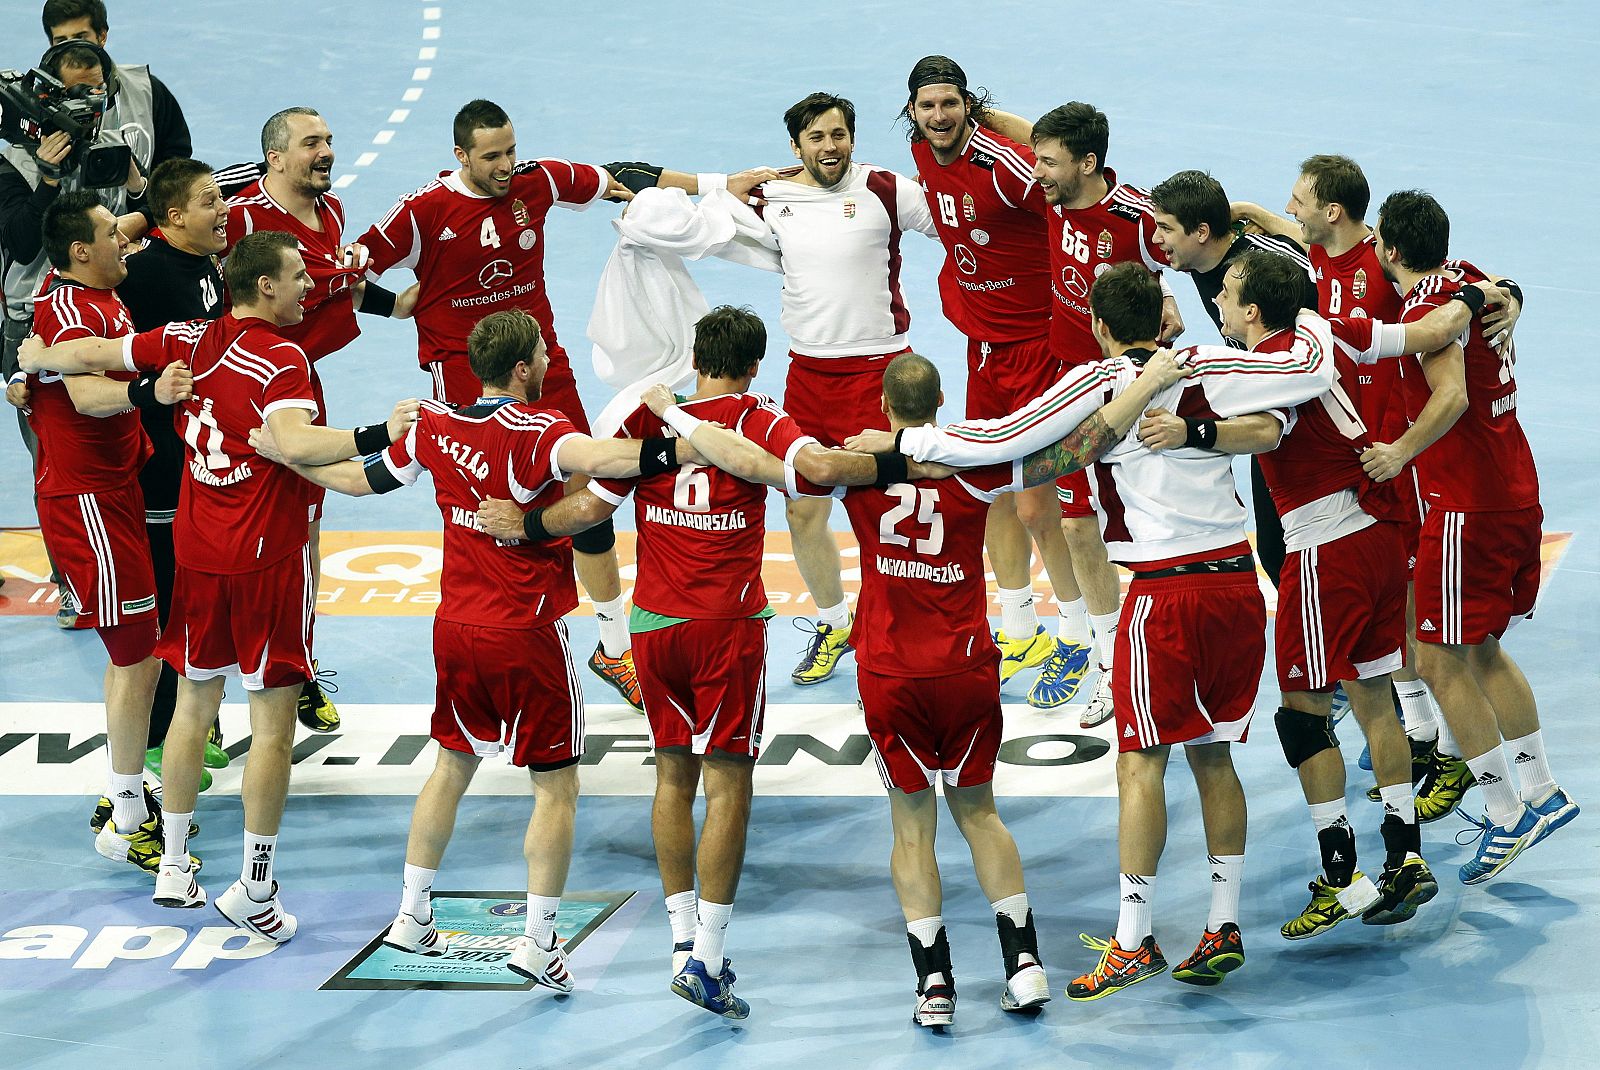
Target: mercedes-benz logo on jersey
[
  {"x": 494, "y": 273},
  {"x": 966, "y": 260},
  {"x": 1073, "y": 282}
]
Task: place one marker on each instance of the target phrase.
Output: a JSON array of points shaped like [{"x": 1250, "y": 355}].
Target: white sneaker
[
  {"x": 408, "y": 934},
  {"x": 268, "y": 920},
  {"x": 1028, "y": 988},
  {"x": 936, "y": 1008},
  {"x": 1098, "y": 711},
  {"x": 547, "y": 968},
  {"x": 176, "y": 887}
]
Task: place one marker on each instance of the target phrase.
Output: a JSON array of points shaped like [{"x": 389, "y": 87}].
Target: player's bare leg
[
  {"x": 192, "y": 716},
  {"x": 547, "y": 847},
  {"x": 1069, "y": 661},
  {"x": 719, "y": 861},
  {"x": 1501, "y": 680},
  {"x": 1102, "y": 593},
  {"x": 999, "y": 869},
  {"x": 266, "y": 768},
  {"x": 672, "y": 823},
  {"x": 601, "y": 577},
  {"x": 131, "y": 833},
  {"x": 816, "y": 555},
  {"x": 433, "y": 820},
  {"x": 915, "y": 872},
  {"x": 1141, "y": 809},
  {"x": 1222, "y": 803},
  {"x": 314, "y": 708},
  {"x": 1023, "y": 642}
]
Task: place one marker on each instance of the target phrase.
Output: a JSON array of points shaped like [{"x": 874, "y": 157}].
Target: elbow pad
[{"x": 596, "y": 540}]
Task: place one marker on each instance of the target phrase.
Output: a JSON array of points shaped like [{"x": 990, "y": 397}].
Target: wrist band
[
  {"x": 892, "y": 468},
  {"x": 899, "y": 444},
  {"x": 681, "y": 422},
  {"x": 376, "y": 301},
  {"x": 1470, "y": 296},
  {"x": 373, "y": 438},
  {"x": 142, "y": 392},
  {"x": 1516, "y": 291},
  {"x": 658, "y": 455},
  {"x": 1200, "y": 434},
  {"x": 533, "y": 526}
]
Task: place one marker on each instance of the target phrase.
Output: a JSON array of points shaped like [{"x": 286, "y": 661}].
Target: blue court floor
[{"x": 1488, "y": 111}]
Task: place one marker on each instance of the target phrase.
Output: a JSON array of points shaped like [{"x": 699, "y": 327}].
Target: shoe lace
[
  {"x": 1056, "y": 663},
  {"x": 1478, "y": 826},
  {"x": 817, "y": 635},
  {"x": 1104, "y": 947},
  {"x": 323, "y": 678}
]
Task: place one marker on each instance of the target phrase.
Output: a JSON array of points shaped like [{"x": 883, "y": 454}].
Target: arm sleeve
[
  {"x": 22, "y": 214},
  {"x": 171, "y": 133},
  {"x": 574, "y": 185},
  {"x": 395, "y": 240},
  {"x": 616, "y": 491},
  {"x": 1367, "y": 341},
  {"x": 1045, "y": 420},
  {"x": 233, "y": 179},
  {"x": 290, "y": 385},
  {"x": 912, "y": 207},
  {"x": 399, "y": 460},
  {"x": 1238, "y": 382},
  {"x": 541, "y": 462}
]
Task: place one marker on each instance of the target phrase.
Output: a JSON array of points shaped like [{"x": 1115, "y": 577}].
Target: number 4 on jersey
[{"x": 487, "y": 237}]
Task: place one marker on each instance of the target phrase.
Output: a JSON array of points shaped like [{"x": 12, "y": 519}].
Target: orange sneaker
[
  {"x": 1118, "y": 968},
  {"x": 1219, "y": 954},
  {"x": 620, "y": 674}
]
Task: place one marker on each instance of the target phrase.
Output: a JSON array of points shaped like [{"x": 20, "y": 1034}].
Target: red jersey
[
  {"x": 924, "y": 608},
  {"x": 1483, "y": 463},
  {"x": 330, "y": 321},
  {"x": 702, "y": 532},
  {"x": 1083, "y": 242},
  {"x": 1352, "y": 285},
  {"x": 995, "y": 282},
  {"x": 81, "y": 454},
  {"x": 237, "y": 512},
  {"x": 475, "y": 255},
  {"x": 497, "y": 448}
]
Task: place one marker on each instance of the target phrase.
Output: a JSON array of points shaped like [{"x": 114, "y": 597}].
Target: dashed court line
[{"x": 425, "y": 54}]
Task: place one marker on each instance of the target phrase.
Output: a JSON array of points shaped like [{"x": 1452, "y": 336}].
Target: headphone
[{"x": 50, "y": 63}]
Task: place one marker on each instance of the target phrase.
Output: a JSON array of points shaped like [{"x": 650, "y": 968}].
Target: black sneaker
[{"x": 315, "y": 710}]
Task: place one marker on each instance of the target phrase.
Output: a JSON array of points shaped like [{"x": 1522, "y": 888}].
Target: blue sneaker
[
  {"x": 1341, "y": 707},
  {"x": 715, "y": 994},
  {"x": 1498, "y": 847},
  {"x": 1556, "y": 809},
  {"x": 1061, "y": 676}
]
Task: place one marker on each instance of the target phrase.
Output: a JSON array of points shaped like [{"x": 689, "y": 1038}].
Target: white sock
[
  {"x": 257, "y": 874},
  {"x": 1227, "y": 877},
  {"x": 128, "y": 809},
  {"x": 1398, "y": 799},
  {"x": 926, "y": 931},
  {"x": 1073, "y": 625},
  {"x": 1133, "y": 921},
  {"x": 1105, "y": 636},
  {"x": 1447, "y": 741},
  {"x": 710, "y": 934},
  {"x": 1325, "y": 815},
  {"x": 175, "y": 839},
  {"x": 836, "y": 617},
  {"x": 1014, "y": 907},
  {"x": 682, "y": 915},
  {"x": 1500, "y": 799},
  {"x": 1417, "y": 706},
  {"x": 541, "y": 921},
  {"x": 613, "y": 620},
  {"x": 416, "y": 892},
  {"x": 1533, "y": 772},
  {"x": 1019, "y": 615}
]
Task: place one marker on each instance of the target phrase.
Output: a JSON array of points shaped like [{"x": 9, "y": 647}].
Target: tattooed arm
[{"x": 1089, "y": 441}]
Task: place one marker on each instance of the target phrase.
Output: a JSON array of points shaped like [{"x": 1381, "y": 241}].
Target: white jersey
[
  {"x": 1152, "y": 506},
  {"x": 840, "y": 250}
]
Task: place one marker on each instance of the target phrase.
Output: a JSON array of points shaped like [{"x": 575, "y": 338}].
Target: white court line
[
  {"x": 410, "y": 96},
  {"x": 64, "y": 1040},
  {"x": 383, "y": 137}
]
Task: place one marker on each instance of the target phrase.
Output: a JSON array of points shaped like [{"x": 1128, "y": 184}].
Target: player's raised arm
[
  {"x": 505, "y": 520},
  {"x": 1267, "y": 222},
  {"x": 614, "y": 458},
  {"x": 78, "y": 355},
  {"x": 1257, "y": 433}
]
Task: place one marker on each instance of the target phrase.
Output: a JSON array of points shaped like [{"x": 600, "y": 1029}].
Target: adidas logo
[
  {"x": 1295, "y": 673},
  {"x": 1426, "y": 626},
  {"x": 135, "y": 794},
  {"x": 1487, "y": 778},
  {"x": 446, "y": 234},
  {"x": 1133, "y": 897},
  {"x": 1390, "y": 808},
  {"x": 1127, "y": 733},
  {"x": 786, "y": 212},
  {"x": 262, "y": 856},
  {"x": 549, "y": 915},
  {"x": 1522, "y": 758},
  {"x": 1217, "y": 878}
]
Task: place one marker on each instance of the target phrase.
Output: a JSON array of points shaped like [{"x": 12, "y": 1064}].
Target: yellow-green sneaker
[
  {"x": 1329, "y": 906},
  {"x": 1024, "y": 653},
  {"x": 826, "y": 646},
  {"x": 316, "y": 710}
]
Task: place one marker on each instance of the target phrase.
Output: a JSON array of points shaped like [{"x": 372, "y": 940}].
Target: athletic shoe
[
  {"x": 1061, "y": 676},
  {"x": 1341, "y": 707},
  {"x": 1027, "y": 989},
  {"x": 103, "y": 810},
  {"x": 824, "y": 649},
  {"x": 1442, "y": 787},
  {"x": 266, "y": 919},
  {"x": 176, "y": 887},
  {"x": 1556, "y": 809},
  {"x": 415, "y": 937},
  {"x": 1026, "y": 985},
  {"x": 681, "y": 951},
  {"x": 141, "y": 847},
  {"x": 315, "y": 709},
  {"x": 714, "y": 994},
  {"x": 545, "y": 967},
  {"x": 1024, "y": 653},
  {"x": 620, "y": 674},
  {"x": 1099, "y": 710},
  {"x": 1118, "y": 968},
  {"x": 1219, "y": 954},
  {"x": 1499, "y": 846},
  {"x": 1402, "y": 889},
  {"x": 936, "y": 1006},
  {"x": 1422, "y": 752},
  {"x": 66, "y": 608},
  {"x": 1329, "y": 906},
  {"x": 155, "y": 755}
]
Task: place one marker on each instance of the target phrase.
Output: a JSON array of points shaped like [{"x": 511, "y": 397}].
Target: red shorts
[
  {"x": 1477, "y": 573},
  {"x": 507, "y": 689},
  {"x": 1416, "y": 510},
  {"x": 99, "y": 546},
  {"x": 923, "y": 728},
  {"x": 832, "y": 398},
  {"x": 256, "y": 624},
  {"x": 1073, "y": 493},
  {"x": 453, "y": 382},
  {"x": 705, "y": 684},
  {"x": 1342, "y": 610},
  {"x": 1004, "y": 376},
  {"x": 1189, "y": 655}
]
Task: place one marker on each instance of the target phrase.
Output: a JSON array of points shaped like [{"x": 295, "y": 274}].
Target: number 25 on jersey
[{"x": 922, "y": 501}]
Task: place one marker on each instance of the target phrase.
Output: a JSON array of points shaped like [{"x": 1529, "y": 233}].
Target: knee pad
[
  {"x": 129, "y": 644},
  {"x": 1304, "y": 735},
  {"x": 597, "y": 540}
]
